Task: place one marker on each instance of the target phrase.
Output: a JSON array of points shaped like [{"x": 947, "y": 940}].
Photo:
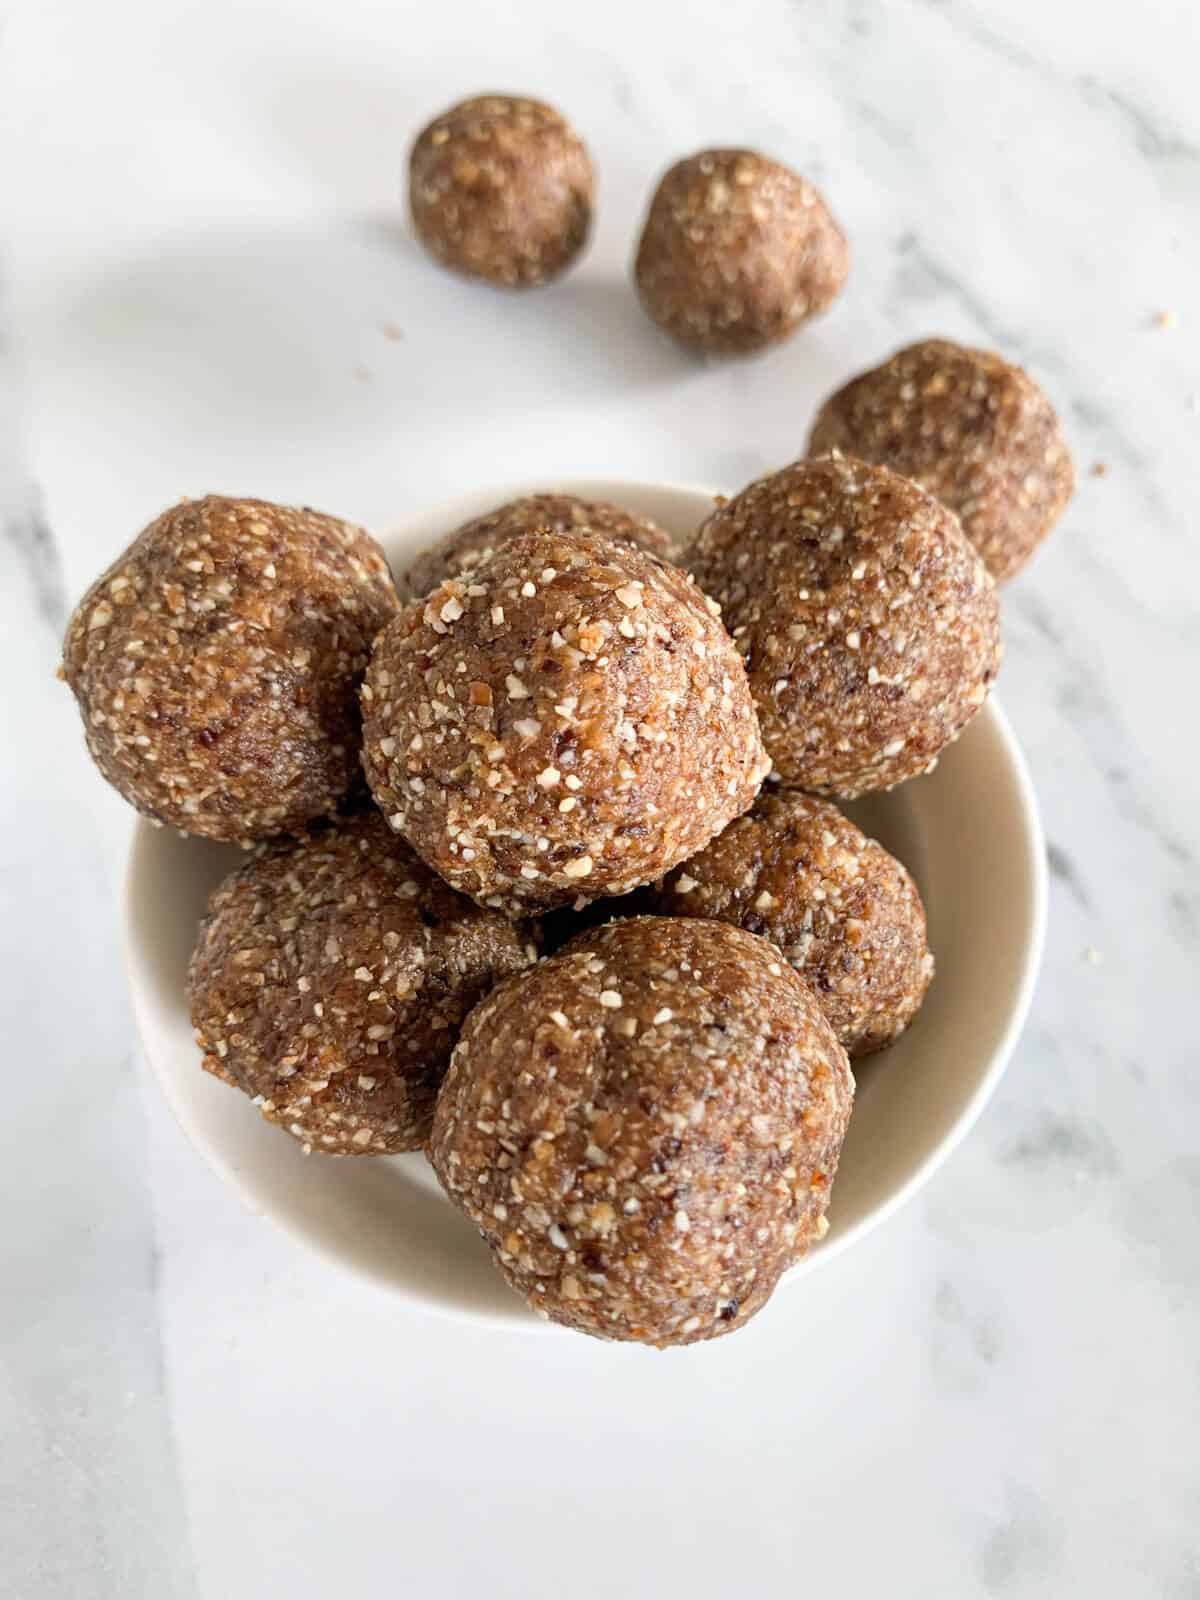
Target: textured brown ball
[
  {"x": 737, "y": 251},
  {"x": 330, "y": 979},
  {"x": 460, "y": 552},
  {"x": 845, "y": 913},
  {"x": 645, "y": 1128},
  {"x": 500, "y": 188},
  {"x": 569, "y": 724},
  {"x": 216, "y": 665},
  {"x": 975, "y": 431},
  {"x": 869, "y": 625}
]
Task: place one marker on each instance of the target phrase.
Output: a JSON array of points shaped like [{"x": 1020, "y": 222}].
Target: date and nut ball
[
  {"x": 869, "y": 625},
  {"x": 567, "y": 724},
  {"x": 736, "y": 252},
  {"x": 971, "y": 428},
  {"x": 330, "y": 979},
  {"x": 461, "y": 551},
  {"x": 845, "y": 913},
  {"x": 500, "y": 187},
  {"x": 645, "y": 1128},
  {"x": 217, "y": 663}
]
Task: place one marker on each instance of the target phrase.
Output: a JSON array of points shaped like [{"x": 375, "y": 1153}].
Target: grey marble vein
[
  {"x": 966, "y": 1335},
  {"x": 1142, "y": 809},
  {"x": 1023, "y": 1546},
  {"x": 1067, "y": 1140},
  {"x": 968, "y": 23},
  {"x": 1064, "y": 870},
  {"x": 1150, "y": 134},
  {"x": 923, "y": 275},
  {"x": 32, "y": 546},
  {"x": 90, "y": 1498},
  {"x": 1183, "y": 909}
]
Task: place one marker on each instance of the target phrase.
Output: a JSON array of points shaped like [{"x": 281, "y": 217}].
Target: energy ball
[
  {"x": 736, "y": 252},
  {"x": 845, "y": 913},
  {"x": 566, "y": 725},
  {"x": 645, "y": 1128},
  {"x": 501, "y": 188},
  {"x": 869, "y": 625},
  {"x": 460, "y": 552},
  {"x": 330, "y": 980},
  {"x": 217, "y": 662},
  {"x": 974, "y": 430}
]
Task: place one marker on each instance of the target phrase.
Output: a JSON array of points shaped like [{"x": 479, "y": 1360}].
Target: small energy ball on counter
[
  {"x": 330, "y": 979},
  {"x": 460, "y": 552},
  {"x": 737, "y": 251},
  {"x": 845, "y": 913},
  {"x": 217, "y": 662},
  {"x": 566, "y": 725},
  {"x": 645, "y": 1128},
  {"x": 870, "y": 627},
  {"x": 500, "y": 187},
  {"x": 974, "y": 430}
]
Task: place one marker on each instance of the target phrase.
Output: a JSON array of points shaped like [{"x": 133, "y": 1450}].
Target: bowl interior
[{"x": 968, "y": 832}]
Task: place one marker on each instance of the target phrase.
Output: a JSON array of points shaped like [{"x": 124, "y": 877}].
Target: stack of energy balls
[{"x": 593, "y": 934}]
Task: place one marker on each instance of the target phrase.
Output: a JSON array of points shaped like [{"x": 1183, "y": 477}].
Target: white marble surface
[{"x": 997, "y": 1393}]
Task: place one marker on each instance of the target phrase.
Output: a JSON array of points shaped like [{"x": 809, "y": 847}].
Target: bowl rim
[{"x": 454, "y": 510}]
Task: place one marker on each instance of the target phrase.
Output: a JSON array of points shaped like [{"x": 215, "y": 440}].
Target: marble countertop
[{"x": 996, "y": 1393}]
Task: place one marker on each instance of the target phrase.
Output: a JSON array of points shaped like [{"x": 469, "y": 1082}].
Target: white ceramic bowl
[{"x": 968, "y": 832}]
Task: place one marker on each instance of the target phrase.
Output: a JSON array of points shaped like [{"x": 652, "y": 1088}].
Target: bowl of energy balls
[{"x": 597, "y": 900}]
